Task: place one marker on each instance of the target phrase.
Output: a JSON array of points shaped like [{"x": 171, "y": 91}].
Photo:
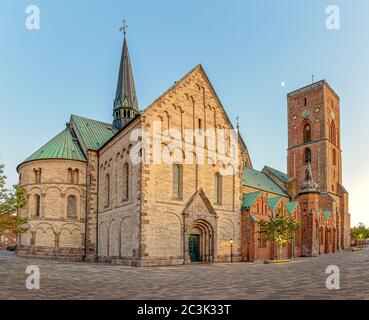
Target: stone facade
[{"x": 55, "y": 227}]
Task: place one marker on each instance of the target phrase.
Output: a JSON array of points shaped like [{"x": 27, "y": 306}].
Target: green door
[{"x": 194, "y": 247}]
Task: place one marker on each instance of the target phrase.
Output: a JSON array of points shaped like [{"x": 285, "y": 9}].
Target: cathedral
[{"x": 97, "y": 192}]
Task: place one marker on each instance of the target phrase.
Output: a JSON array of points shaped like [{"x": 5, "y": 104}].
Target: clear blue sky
[{"x": 248, "y": 48}]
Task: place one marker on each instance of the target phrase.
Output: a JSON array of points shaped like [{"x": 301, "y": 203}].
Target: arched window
[
  {"x": 37, "y": 199},
  {"x": 125, "y": 182},
  {"x": 333, "y": 133},
  {"x": 177, "y": 181},
  {"x": 307, "y": 156},
  {"x": 72, "y": 207},
  {"x": 307, "y": 132},
  {"x": 262, "y": 234},
  {"x": 334, "y": 157},
  {"x": 70, "y": 176},
  {"x": 107, "y": 190},
  {"x": 76, "y": 176},
  {"x": 218, "y": 188}
]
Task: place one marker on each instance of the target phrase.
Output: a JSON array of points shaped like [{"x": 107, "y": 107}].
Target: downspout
[
  {"x": 97, "y": 205},
  {"x": 85, "y": 255}
]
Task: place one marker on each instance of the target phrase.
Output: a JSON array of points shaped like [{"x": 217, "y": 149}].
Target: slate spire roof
[{"x": 125, "y": 95}]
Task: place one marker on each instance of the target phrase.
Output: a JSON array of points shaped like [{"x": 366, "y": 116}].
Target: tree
[
  {"x": 360, "y": 233},
  {"x": 10, "y": 202},
  {"x": 280, "y": 229}
]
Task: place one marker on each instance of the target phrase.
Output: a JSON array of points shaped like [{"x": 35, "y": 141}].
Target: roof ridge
[{"x": 82, "y": 117}]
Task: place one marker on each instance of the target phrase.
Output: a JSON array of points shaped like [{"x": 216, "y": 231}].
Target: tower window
[
  {"x": 307, "y": 156},
  {"x": 307, "y": 132},
  {"x": 334, "y": 157},
  {"x": 305, "y": 102},
  {"x": 333, "y": 133}
]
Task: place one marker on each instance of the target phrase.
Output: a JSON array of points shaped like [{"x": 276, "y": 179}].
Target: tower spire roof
[{"x": 125, "y": 96}]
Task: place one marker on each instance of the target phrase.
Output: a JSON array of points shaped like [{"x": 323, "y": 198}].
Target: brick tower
[{"x": 314, "y": 138}]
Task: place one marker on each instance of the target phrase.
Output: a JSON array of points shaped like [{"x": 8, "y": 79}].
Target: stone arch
[
  {"x": 200, "y": 241},
  {"x": 103, "y": 239},
  {"x": 125, "y": 237},
  {"x": 26, "y": 238},
  {"x": 45, "y": 235},
  {"x": 70, "y": 236},
  {"x": 113, "y": 239},
  {"x": 52, "y": 202},
  {"x": 226, "y": 233},
  {"x": 167, "y": 238}
]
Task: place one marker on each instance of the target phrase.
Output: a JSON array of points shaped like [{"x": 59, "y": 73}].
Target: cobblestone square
[{"x": 303, "y": 278}]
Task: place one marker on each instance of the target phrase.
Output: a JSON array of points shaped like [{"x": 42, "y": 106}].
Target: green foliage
[
  {"x": 280, "y": 229},
  {"x": 360, "y": 232},
  {"x": 10, "y": 202}
]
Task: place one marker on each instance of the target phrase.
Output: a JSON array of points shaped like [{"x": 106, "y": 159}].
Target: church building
[{"x": 96, "y": 192}]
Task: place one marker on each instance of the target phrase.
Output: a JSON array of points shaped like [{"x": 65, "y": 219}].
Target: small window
[
  {"x": 218, "y": 189},
  {"x": 125, "y": 182},
  {"x": 307, "y": 156},
  {"x": 333, "y": 133},
  {"x": 177, "y": 181},
  {"x": 37, "y": 200},
  {"x": 107, "y": 190},
  {"x": 334, "y": 157},
  {"x": 72, "y": 207},
  {"x": 305, "y": 102},
  {"x": 307, "y": 132}
]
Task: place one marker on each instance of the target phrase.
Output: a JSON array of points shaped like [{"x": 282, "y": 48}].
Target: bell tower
[{"x": 314, "y": 136}]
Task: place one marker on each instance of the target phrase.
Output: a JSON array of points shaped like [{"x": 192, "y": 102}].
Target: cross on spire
[{"x": 124, "y": 27}]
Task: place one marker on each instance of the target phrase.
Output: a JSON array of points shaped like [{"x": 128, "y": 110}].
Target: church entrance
[
  {"x": 200, "y": 242},
  {"x": 194, "y": 247}
]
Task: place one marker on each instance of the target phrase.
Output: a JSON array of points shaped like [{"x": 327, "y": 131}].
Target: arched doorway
[{"x": 200, "y": 242}]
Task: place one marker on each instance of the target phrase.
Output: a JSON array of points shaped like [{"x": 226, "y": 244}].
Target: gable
[
  {"x": 199, "y": 204},
  {"x": 192, "y": 103}
]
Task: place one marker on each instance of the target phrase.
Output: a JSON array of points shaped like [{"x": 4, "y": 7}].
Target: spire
[
  {"x": 309, "y": 184},
  {"x": 125, "y": 102}
]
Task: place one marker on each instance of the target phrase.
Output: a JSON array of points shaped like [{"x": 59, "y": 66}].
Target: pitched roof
[
  {"x": 258, "y": 180},
  {"x": 249, "y": 199},
  {"x": 62, "y": 146},
  {"x": 93, "y": 133},
  {"x": 281, "y": 176},
  {"x": 291, "y": 206},
  {"x": 273, "y": 202}
]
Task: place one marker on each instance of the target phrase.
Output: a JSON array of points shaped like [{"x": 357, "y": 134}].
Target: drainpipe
[
  {"x": 248, "y": 235},
  {"x": 97, "y": 205},
  {"x": 86, "y": 205}
]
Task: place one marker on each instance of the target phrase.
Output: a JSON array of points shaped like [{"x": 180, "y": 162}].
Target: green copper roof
[
  {"x": 258, "y": 180},
  {"x": 63, "y": 146},
  {"x": 278, "y": 174},
  {"x": 273, "y": 202},
  {"x": 93, "y": 133},
  {"x": 255, "y": 218},
  {"x": 291, "y": 206},
  {"x": 249, "y": 199},
  {"x": 327, "y": 214}
]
